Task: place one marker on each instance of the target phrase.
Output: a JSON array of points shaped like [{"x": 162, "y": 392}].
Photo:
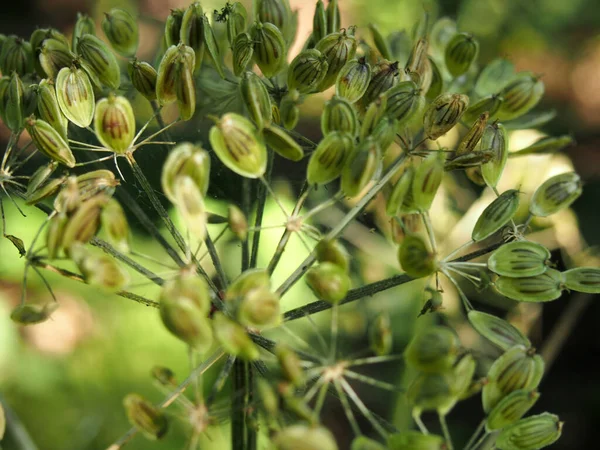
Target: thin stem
[
  {"x": 220, "y": 380},
  {"x": 446, "y": 431},
  {"x": 475, "y": 434},
  {"x": 420, "y": 424},
  {"x": 214, "y": 256},
  {"x": 458, "y": 250},
  {"x": 310, "y": 259},
  {"x": 347, "y": 408},
  {"x": 371, "y": 381},
  {"x": 260, "y": 211},
  {"x": 246, "y": 210},
  {"x": 15, "y": 428},
  {"x": 320, "y": 400},
  {"x": 463, "y": 297},
  {"x": 334, "y": 331},
  {"x": 430, "y": 233},
  {"x": 159, "y": 120},
  {"x": 480, "y": 441},
  {"x": 363, "y": 409}
]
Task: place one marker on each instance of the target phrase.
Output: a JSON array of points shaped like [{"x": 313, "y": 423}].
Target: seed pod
[
  {"x": 332, "y": 251},
  {"x": 269, "y": 48},
  {"x": 45, "y": 191},
  {"x": 329, "y": 158},
  {"x": 121, "y": 29},
  {"x": 182, "y": 316},
  {"x": 328, "y": 281},
  {"x": 290, "y": 365},
  {"x": 164, "y": 376},
  {"x": 256, "y": 99},
  {"x": 29, "y": 314},
  {"x": 49, "y": 142},
  {"x": 511, "y": 408},
  {"x": 259, "y": 308},
  {"x": 96, "y": 182},
  {"x": 385, "y": 76},
  {"x": 277, "y": 12},
  {"x": 404, "y": 101},
  {"x": 380, "y": 335},
  {"x": 432, "y": 350},
  {"x": 48, "y": 108},
  {"x": 176, "y": 60},
  {"x": 212, "y": 47},
  {"x": 14, "y": 110},
  {"x": 462, "y": 50},
  {"x": 173, "y": 27},
  {"x": 436, "y": 85},
  {"x": 99, "y": 270},
  {"x": 339, "y": 115},
  {"x": 242, "y": 51},
  {"x": 375, "y": 113},
  {"x": 38, "y": 38},
  {"x": 319, "y": 30},
  {"x": 540, "y": 288},
  {"x": 442, "y": 31},
  {"x": 583, "y": 279},
  {"x": 518, "y": 368},
  {"x": 148, "y": 419},
  {"x": 289, "y": 113},
  {"x": 385, "y": 133},
  {"x": 98, "y": 59},
  {"x": 443, "y": 113},
  {"x": 380, "y": 42},
  {"x": 236, "y": 21},
  {"x": 496, "y": 215},
  {"x": 305, "y": 437},
  {"x": 233, "y": 338},
  {"x": 431, "y": 392},
  {"x": 84, "y": 25},
  {"x": 463, "y": 372},
  {"x": 189, "y": 203},
  {"x": 307, "y": 70},
  {"x": 520, "y": 96},
  {"x": 519, "y": 259},
  {"x": 250, "y": 279},
  {"x": 470, "y": 140},
  {"x": 495, "y": 140},
  {"x": 494, "y": 77},
  {"x": 114, "y": 123},
  {"x": 489, "y": 105},
  {"x": 114, "y": 222},
  {"x": 16, "y": 56},
  {"x": 235, "y": 141},
  {"x": 238, "y": 224},
  {"x": 555, "y": 194},
  {"x": 143, "y": 78},
  {"x": 414, "y": 440},
  {"x": 53, "y": 56},
  {"x": 418, "y": 63},
  {"x": 338, "y": 48},
  {"x": 75, "y": 96},
  {"x": 84, "y": 222},
  {"x": 353, "y": 80},
  {"x": 68, "y": 199},
  {"x": 4, "y": 83},
  {"x": 364, "y": 443},
  {"x": 189, "y": 285},
  {"x": 427, "y": 179},
  {"x": 498, "y": 331},
  {"x": 415, "y": 258},
  {"x": 188, "y": 160},
  {"x": 468, "y": 161},
  {"x": 185, "y": 90},
  {"x": 282, "y": 143},
  {"x": 39, "y": 177},
  {"x": 531, "y": 433},
  {"x": 361, "y": 167}
]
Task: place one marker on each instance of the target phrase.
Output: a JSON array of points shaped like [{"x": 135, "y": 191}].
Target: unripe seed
[
  {"x": 511, "y": 408},
  {"x": 497, "y": 330},
  {"x": 427, "y": 179},
  {"x": 150, "y": 420},
  {"x": 246, "y": 282},
  {"x": 259, "y": 308},
  {"x": 496, "y": 215},
  {"x": 339, "y": 115},
  {"x": 49, "y": 141},
  {"x": 332, "y": 251},
  {"x": 49, "y": 109},
  {"x": 173, "y": 27},
  {"x": 432, "y": 350},
  {"x": 353, "y": 80},
  {"x": 307, "y": 71},
  {"x": 212, "y": 47},
  {"x": 75, "y": 96},
  {"x": 99, "y": 60},
  {"x": 436, "y": 85},
  {"x": 583, "y": 279},
  {"x": 114, "y": 222},
  {"x": 14, "y": 113},
  {"x": 531, "y": 433},
  {"x": 328, "y": 160},
  {"x": 175, "y": 61},
  {"x": 468, "y": 161},
  {"x": 555, "y": 194},
  {"x": 539, "y": 288},
  {"x": 238, "y": 224},
  {"x": 414, "y": 440},
  {"x": 495, "y": 140},
  {"x": 16, "y": 56},
  {"x": 84, "y": 25},
  {"x": 520, "y": 96},
  {"x": 282, "y": 143},
  {"x": 234, "y": 338},
  {"x": 269, "y": 48},
  {"x": 385, "y": 76},
  {"x": 431, "y": 392},
  {"x": 415, "y": 258},
  {"x": 45, "y": 190},
  {"x": 121, "y": 29},
  {"x": 189, "y": 203},
  {"x": 54, "y": 232},
  {"x": 114, "y": 123},
  {"x": 380, "y": 335},
  {"x": 334, "y": 21},
  {"x": 380, "y": 42},
  {"x": 143, "y": 78},
  {"x": 290, "y": 365},
  {"x": 319, "y": 30},
  {"x": 494, "y": 77},
  {"x": 338, "y": 48},
  {"x": 470, "y": 140},
  {"x": 443, "y": 113},
  {"x": 256, "y": 99},
  {"x": 328, "y": 281},
  {"x": 188, "y": 160},
  {"x": 236, "y": 21},
  {"x": 182, "y": 317},
  {"x": 519, "y": 259},
  {"x": 84, "y": 222},
  {"x": 460, "y": 53},
  {"x": 304, "y": 437},
  {"x": 489, "y": 104},
  {"x": 242, "y": 51},
  {"x": 53, "y": 56},
  {"x": 362, "y": 166},
  {"x": 185, "y": 90},
  {"x": 404, "y": 101},
  {"x": 99, "y": 270}
]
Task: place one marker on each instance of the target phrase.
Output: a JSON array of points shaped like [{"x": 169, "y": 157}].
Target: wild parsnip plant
[{"x": 388, "y": 103}]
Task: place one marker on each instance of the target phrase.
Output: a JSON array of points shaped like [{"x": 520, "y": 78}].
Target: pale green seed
[
  {"x": 496, "y": 215},
  {"x": 540, "y": 288},
  {"x": 519, "y": 259}
]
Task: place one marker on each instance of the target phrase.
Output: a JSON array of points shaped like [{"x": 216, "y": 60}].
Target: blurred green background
[{"x": 65, "y": 379}]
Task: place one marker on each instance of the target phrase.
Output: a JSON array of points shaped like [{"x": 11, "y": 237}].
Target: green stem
[
  {"x": 446, "y": 431},
  {"x": 310, "y": 259},
  {"x": 475, "y": 435},
  {"x": 16, "y": 431},
  {"x": 262, "y": 200},
  {"x": 214, "y": 256},
  {"x": 246, "y": 210},
  {"x": 239, "y": 395}
]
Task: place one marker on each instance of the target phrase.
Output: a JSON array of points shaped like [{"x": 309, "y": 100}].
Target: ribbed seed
[
  {"x": 353, "y": 79},
  {"x": 555, "y": 194},
  {"x": 545, "y": 287},
  {"x": 328, "y": 160},
  {"x": 499, "y": 331},
  {"x": 519, "y": 259},
  {"x": 496, "y": 215}
]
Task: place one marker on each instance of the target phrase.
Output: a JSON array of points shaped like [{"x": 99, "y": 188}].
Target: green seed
[
  {"x": 99, "y": 60},
  {"x": 360, "y": 168},
  {"x": 433, "y": 349},
  {"x": 121, "y": 29},
  {"x": 236, "y": 21},
  {"x": 14, "y": 113},
  {"x": 75, "y": 96},
  {"x": 380, "y": 335},
  {"x": 427, "y": 179},
  {"x": 290, "y": 365},
  {"x": 189, "y": 160},
  {"x": 233, "y": 338},
  {"x": 520, "y": 96},
  {"x": 189, "y": 203},
  {"x": 380, "y": 42},
  {"x": 328, "y": 281},
  {"x": 101, "y": 271},
  {"x": 249, "y": 280},
  {"x": 48, "y": 108},
  {"x": 385, "y": 76},
  {"x": 114, "y": 123},
  {"x": 462, "y": 50},
  {"x": 470, "y": 140},
  {"x": 583, "y": 279},
  {"x": 282, "y": 143},
  {"x": 84, "y": 25},
  {"x": 519, "y": 259},
  {"x": 319, "y": 30},
  {"x": 404, "y": 101},
  {"x": 114, "y": 223},
  {"x": 414, "y": 440},
  {"x": 53, "y": 56},
  {"x": 353, "y": 80},
  {"x": 256, "y": 99},
  {"x": 495, "y": 140},
  {"x": 304, "y": 437},
  {"x": 242, "y": 50},
  {"x": 540, "y": 288},
  {"x": 173, "y": 27},
  {"x": 399, "y": 192},
  {"x": 443, "y": 113},
  {"x": 148, "y": 419},
  {"x": 338, "y": 48},
  {"x": 329, "y": 159},
  {"x": 269, "y": 48},
  {"x": 259, "y": 308},
  {"x": 497, "y": 330},
  {"x": 555, "y": 194},
  {"x": 307, "y": 70},
  {"x": 332, "y": 251},
  {"x": 339, "y": 115},
  {"x": 431, "y": 392},
  {"x": 238, "y": 224},
  {"x": 489, "y": 104},
  {"x": 531, "y": 433},
  {"x": 191, "y": 32},
  {"x": 496, "y": 215},
  {"x": 494, "y": 76},
  {"x": 415, "y": 258},
  {"x": 49, "y": 141},
  {"x": 511, "y": 408}
]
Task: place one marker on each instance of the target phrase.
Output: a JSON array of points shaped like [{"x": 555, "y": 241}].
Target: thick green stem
[
  {"x": 239, "y": 395},
  {"x": 310, "y": 259}
]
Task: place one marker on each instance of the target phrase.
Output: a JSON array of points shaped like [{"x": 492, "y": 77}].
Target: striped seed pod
[
  {"x": 470, "y": 161},
  {"x": 399, "y": 192},
  {"x": 101, "y": 270},
  {"x": 37, "y": 39},
  {"x": 339, "y": 115},
  {"x": 256, "y": 99},
  {"x": 443, "y": 113},
  {"x": 442, "y": 31},
  {"x": 544, "y": 287},
  {"x": 99, "y": 60},
  {"x": 555, "y": 194},
  {"x": 45, "y": 190},
  {"x": 328, "y": 281},
  {"x": 277, "y": 12},
  {"x": 173, "y": 27},
  {"x": 176, "y": 60},
  {"x": 185, "y": 89},
  {"x": 96, "y": 182},
  {"x": 114, "y": 223},
  {"x": 49, "y": 141},
  {"x": 54, "y": 234},
  {"x": 427, "y": 179},
  {"x": 68, "y": 199},
  {"x": 143, "y": 78},
  {"x": 14, "y": 112},
  {"x": 49, "y": 109},
  {"x": 250, "y": 279},
  {"x": 307, "y": 70},
  {"x": 531, "y": 433},
  {"x": 237, "y": 20},
  {"x": 362, "y": 165},
  {"x": 236, "y": 142},
  {"x": 114, "y": 123},
  {"x": 84, "y": 222},
  {"x": 498, "y": 331},
  {"x": 242, "y": 50},
  {"x": 385, "y": 76},
  {"x": 16, "y": 56},
  {"x": 53, "y": 55},
  {"x": 83, "y": 25},
  {"x": 496, "y": 215},
  {"x": 319, "y": 30},
  {"x": 122, "y": 32},
  {"x": 39, "y": 177},
  {"x": 212, "y": 47},
  {"x": 519, "y": 259},
  {"x": 431, "y": 392},
  {"x": 189, "y": 203},
  {"x": 404, "y": 101},
  {"x": 511, "y": 408},
  {"x": 520, "y": 96},
  {"x": 282, "y": 143},
  {"x": 371, "y": 118},
  {"x": 415, "y": 258},
  {"x": 385, "y": 133},
  {"x": 145, "y": 417},
  {"x": 189, "y": 160},
  {"x": 75, "y": 95},
  {"x": 518, "y": 368},
  {"x": 269, "y": 48},
  {"x": 338, "y": 48},
  {"x": 412, "y": 440},
  {"x": 494, "y": 76},
  {"x": 329, "y": 158},
  {"x": 353, "y": 79},
  {"x": 334, "y": 21},
  {"x": 432, "y": 350},
  {"x": 233, "y": 338},
  {"x": 470, "y": 140},
  {"x": 462, "y": 50},
  {"x": 583, "y": 279}
]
